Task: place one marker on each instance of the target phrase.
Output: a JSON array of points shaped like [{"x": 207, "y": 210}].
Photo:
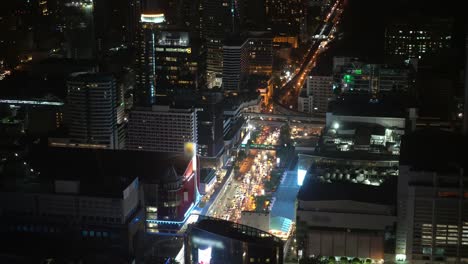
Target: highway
[{"x": 287, "y": 98}]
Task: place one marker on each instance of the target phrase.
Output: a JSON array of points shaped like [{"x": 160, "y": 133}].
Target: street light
[{"x": 336, "y": 125}]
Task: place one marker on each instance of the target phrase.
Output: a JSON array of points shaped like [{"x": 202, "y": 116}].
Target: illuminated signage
[
  {"x": 204, "y": 256},
  {"x": 301, "y": 176},
  {"x": 190, "y": 149},
  {"x": 207, "y": 242},
  {"x": 153, "y": 18}
]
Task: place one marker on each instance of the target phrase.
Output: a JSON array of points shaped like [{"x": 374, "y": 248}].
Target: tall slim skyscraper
[
  {"x": 220, "y": 18},
  {"x": 91, "y": 110},
  {"x": 145, "y": 90}
]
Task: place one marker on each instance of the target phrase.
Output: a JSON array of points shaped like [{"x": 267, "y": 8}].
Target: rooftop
[
  {"x": 236, "y": 231},
  {"x": 313, "y": 190},
  {"x": 434, "y": 150},
  {"x": 100, "y": 172},
  {"x": 362, "y": 105}
]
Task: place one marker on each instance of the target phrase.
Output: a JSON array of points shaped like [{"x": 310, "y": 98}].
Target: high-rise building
[
  {"x": 417, "y": 37},
  {"x": 177, "y": 61},
  {"x": 285, "y": 16},
  {"x": 432, "y": 199},
  {"x": 235, "y": 64},
  {"x": 219, "y": 19},
  {"x": 253, "y": 14},
  {"x": 77, "y": 22},
  {"x": 162, "y": 129},
  {"x": 91, "y": 111},
  {"x": 145, "y": 90},
  {"x": 210, "y": 127},
  {"x": 260, "y": 52}
]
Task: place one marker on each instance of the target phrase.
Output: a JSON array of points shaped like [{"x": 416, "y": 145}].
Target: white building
[
  {"x": 161, "y": 129},
  {"x": 321, "y": 88}
]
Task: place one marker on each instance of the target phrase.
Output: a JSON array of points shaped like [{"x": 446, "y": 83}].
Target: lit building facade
[
  {"x": 177, "y": 61},
  {"x": 145, "y": 90},
  {"x": 373, "y": 78},
  {"x": 416, "y": 39},
  {"x": 161, "y": 129},
  {"x": 219, "y": 19},
  {"x": 260, "y": 53},
  {"x": 285, "y": 16},
  {"x": 321, "y": 88}
]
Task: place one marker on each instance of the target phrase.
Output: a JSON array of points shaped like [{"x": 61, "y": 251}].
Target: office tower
[
  {"x": 432, "y": 205},
  {"x": 260, "y": 52},
  {"x": 91, "y": 110},
  {"x": 77, "y": 22},
  {"x": 145, "y": 90},
  {"x": 161, "y": 128},
  {"x": 177, "y": 61},
  {"x": 219, "y": 19},
  {"x": 210, "y": 127},
  {"x": 235, "y": 64},
  {"x": 115, "y": 23},
  {"x": 285, "y": 16},
  {"x": 417, "y": 37},
  {"x": 321, "y": 89},
  {"x": 253, "y": 14}
]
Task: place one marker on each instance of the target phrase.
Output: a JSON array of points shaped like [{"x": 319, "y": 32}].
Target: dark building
[
  {"x": 71, "y": 205},
  {"x": 214, "y": 240},
  {"x": 432, "y": 198},
  {"x": 417, "y": 37},
  {"x": 253, "y": 14},
  {"x": 210, "y": 126}
]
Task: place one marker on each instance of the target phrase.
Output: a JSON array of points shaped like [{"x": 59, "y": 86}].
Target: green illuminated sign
[
  {"x": 348, "y": 78},
  {"x": 358, "y": 71}
]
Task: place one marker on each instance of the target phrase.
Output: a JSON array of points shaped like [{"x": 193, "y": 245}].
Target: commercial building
[
  {"x": 432, "y": 205},
  {"x": 342, "y": 219},
  {"x": 213, "y": 240},
  {"x": 305, "y": 102},
  {"x": 210, "y": 129},
  {"x": 235, "y": 64},
  {"x": 260, "y": 52},
  {"x": 207, "y": 180},
  {"x": 178, "y": 64},
  {"x": 162, "y": 129},
  {"x": 145, "y": 90},
  {"x": 92, "y": 114},
  {"x": 374, "y": 78},
  {"x": 417, "y": 37},
  {"x": 318, "y": 93},
  {"x": 71, "y": 204}
]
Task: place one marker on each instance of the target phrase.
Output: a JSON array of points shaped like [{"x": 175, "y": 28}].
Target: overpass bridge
[{"x": 288, "y": 117}]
